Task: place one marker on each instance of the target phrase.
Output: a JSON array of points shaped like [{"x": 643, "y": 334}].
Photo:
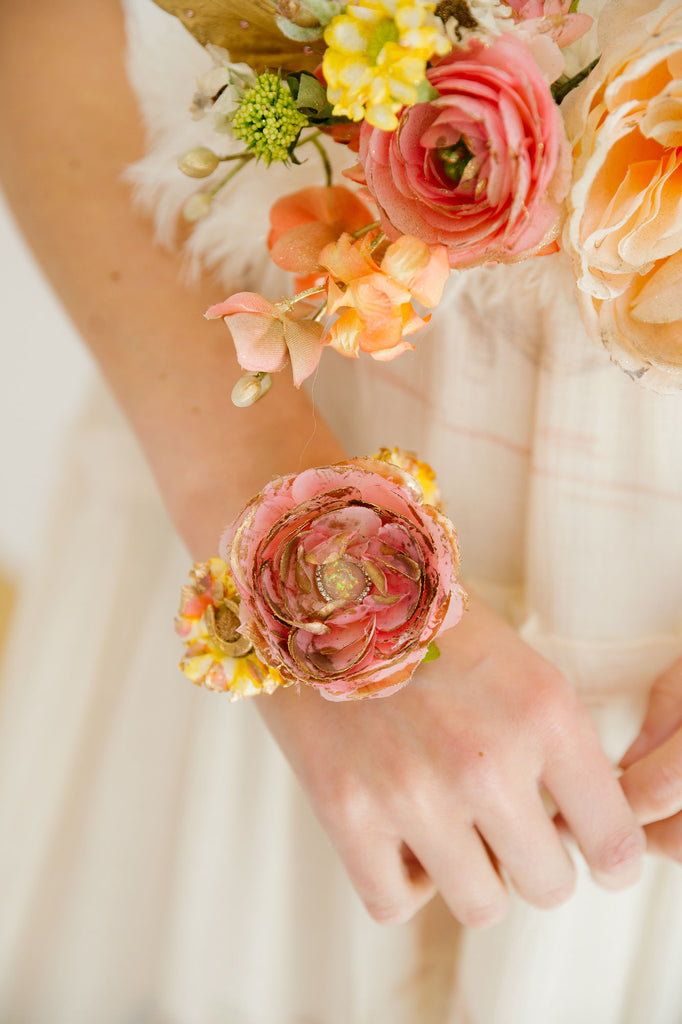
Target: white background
[{"x": 45, "y": 373}]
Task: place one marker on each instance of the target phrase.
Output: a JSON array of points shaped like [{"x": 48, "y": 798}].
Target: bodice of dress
[{"x": 563, "y": 476}]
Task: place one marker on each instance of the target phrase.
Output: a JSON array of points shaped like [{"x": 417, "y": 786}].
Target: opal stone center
[{"x": 342, "y": 580}]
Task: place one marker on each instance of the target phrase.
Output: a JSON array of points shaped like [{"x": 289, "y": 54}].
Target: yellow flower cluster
[
  {"x": 421, "y": 471},
  {"x": 377, "y": 55},
  {"x": 216, "y": 655}
]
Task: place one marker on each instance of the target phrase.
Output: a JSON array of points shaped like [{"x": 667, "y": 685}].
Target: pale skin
[{"x": 437, "y": 788}]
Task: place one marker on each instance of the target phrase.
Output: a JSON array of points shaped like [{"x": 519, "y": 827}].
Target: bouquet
[{"x": 472, "y": 147}]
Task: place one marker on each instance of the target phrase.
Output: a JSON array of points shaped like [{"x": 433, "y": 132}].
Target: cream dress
[{"x": 159, "y": 864}]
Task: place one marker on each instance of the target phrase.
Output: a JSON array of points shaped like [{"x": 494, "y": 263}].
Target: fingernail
[{"x": 636, "y": 750}]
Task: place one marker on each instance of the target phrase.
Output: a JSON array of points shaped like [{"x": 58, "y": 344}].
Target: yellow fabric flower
[
  {"x": 216, "y": 655},
  {"x": 421, "y": 471},
  {"x": 377, "y": 55}
]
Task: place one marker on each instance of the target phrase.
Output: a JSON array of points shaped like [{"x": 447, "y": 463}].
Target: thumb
[{"x": 663, "y": 716}]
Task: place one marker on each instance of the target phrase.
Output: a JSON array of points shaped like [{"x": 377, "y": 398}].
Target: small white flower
[
  {"x": 220, "y": 88},
  {"x": 466, "y": 20}
]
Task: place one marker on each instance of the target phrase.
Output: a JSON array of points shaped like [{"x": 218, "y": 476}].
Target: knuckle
[
  {"x": 387, "y": 911},
  {"x": 620, "y": 852},
  {"x": 483, "y": 915},
  {"x": 347, "y": 804},
  {"x": 555, "y": 897},
  {"x": 553, "y": 706},
  {"x": 664, "y": 788}
]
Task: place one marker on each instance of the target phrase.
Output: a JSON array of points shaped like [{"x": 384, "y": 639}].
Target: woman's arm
[
  {"x": 68, "y": 133},
  {"x": 431, "y": 788}
]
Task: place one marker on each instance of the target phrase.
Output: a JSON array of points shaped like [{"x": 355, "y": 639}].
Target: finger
[
  {"x": 663, "y": 717},
  {"x": 462, "y": 870},
  {"x": 527, "y": 844},
  {"x": 665, "y": 837},
  {"x": 386, "y": 875},
  {"x": 653, "y": 785},
  {"x": 594, "y": 807}
]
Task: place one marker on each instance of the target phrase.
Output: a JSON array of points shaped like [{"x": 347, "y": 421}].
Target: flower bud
[
  {"x": 198, "y": 162},
  {"x": 197, "y": 206},
  {"x": 250, "y": 388},
  {"x": 297, "y": 13}
]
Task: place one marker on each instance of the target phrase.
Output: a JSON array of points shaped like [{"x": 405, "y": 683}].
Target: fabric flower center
[
  {"x": 455, "y": 160},
  {"x": 342, "y": 580}
]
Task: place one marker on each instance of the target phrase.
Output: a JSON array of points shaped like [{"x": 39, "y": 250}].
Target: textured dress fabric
[{"x": 159, "y": 864}]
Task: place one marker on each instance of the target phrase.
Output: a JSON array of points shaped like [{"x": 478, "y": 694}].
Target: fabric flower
[
  {"x": 625, "y": 215},
  {"x": 421, "y": 471},
  {"x": 553, "y": 18},
  {"x": 216, "y": 655},
  {"x": 266, "y": 335},
  {"x": 376, "y": 298},
  {"x": 482, "y": 169},
  {"x": 268, "y": 121},
  {"x": 345, "y": 577},
  {"x": 465, "y": 20},
  {"x": 303, "y": 222},
  {"x": 220, "y": 88},
  {"x": 376, "y": 57}
]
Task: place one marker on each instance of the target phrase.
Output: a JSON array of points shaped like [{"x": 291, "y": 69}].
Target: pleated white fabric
[{"x": 158, "y": 863}]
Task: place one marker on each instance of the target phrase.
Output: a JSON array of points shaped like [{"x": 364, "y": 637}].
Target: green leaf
[
  {"x": 312, "y": 95},
  {"x": 573, "y": 9},
  {"x": 432, "y": 652},
  {"x": 426, "y": 92}
]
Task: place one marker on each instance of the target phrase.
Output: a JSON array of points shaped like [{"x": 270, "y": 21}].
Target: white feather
[{"x": 164, "y": 61}]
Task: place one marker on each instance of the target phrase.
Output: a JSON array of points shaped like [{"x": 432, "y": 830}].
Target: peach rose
[
  {"x": 482, "y": 169},
  {"x": 624, "y": 230}
]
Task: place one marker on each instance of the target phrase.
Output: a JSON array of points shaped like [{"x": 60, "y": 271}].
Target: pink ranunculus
[
  {"x": 345, "y": 577},
  {"x": 484, "y": 168}
]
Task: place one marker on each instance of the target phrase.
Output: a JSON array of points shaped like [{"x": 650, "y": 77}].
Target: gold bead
[
  {"x": 250, "y": 388},
  {"x": 198, "y": 162}
]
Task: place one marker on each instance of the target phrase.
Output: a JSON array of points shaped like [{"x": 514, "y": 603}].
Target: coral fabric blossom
[
  {"x": 625, "y": 215},
  {"x": 482, "y": 169},
  {"x": 375, "y": 299},
  {"x": 303, "y": 222},
  {"x": 345, "y": 577},
  {"x": 266, "y": 336}
]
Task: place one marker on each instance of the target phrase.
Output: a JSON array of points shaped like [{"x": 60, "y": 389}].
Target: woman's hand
[
  {"x": 652, "y": 777},
  {"x": 439, "y": 786}
]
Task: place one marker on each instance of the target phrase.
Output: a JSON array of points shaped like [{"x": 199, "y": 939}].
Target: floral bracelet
[{"x": 339, "y": 577}]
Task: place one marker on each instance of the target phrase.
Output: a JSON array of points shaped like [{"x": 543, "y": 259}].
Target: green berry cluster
[{"x": 267, "y": 120}]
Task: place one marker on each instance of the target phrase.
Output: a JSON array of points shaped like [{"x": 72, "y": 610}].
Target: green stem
[
  {"x": 325, "y": 160},
  {"x": 376, "y": 242},
  {"x": 306, "y": 294},
  {"x": 364, "y": 231},
  {"x": 315, "y": 139},
  {"x": 235, "y": 156},
  {"x": 562, "y": 87},
  {"x": 228, "y": 177}
]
